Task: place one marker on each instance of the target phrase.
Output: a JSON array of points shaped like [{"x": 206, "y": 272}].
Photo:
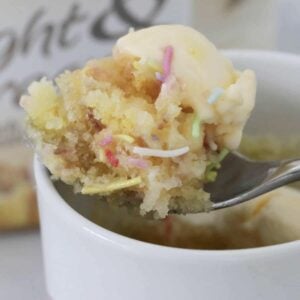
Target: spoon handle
[
  {"x": 285, "y": 172},
  {"x": 288, "y": 171}
]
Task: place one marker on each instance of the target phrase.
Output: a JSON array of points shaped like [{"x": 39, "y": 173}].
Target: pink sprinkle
[
  {"x": 167, "y": 63},
  {"x": 155, "y": 138},
  {"x": 168, "y": 57},
  {"x": 137, "y": 162},
  {"x": 112, "y": 158},
  {"x": 106, "y": 141}
]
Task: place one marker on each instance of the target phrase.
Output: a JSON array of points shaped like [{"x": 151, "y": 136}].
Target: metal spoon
[{"x": 241, "y": 179}]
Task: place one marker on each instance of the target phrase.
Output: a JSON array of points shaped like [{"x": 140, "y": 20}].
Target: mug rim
[
  {"x": 88, "y": 227},
  {"x": 261, "y": 54}
]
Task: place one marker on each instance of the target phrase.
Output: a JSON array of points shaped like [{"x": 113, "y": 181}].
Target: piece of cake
[{"x": 149, "y": 124}]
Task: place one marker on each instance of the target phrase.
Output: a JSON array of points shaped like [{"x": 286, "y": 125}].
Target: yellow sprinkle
[
  {"x": 124, "y": 138},
  {"x": 195, "y": 53},
  {"x": 155, "y": 66},
  {"x": 136, "y": 65},
  {"x": 98, "y": 189},
  {"x": 101, "y": 155}
]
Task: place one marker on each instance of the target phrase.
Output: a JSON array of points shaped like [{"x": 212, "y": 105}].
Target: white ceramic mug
[{"x": 86, "y": 261}]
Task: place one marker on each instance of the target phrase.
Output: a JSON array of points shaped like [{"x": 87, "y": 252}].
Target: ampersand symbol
[{"x": 120, "y": 9}]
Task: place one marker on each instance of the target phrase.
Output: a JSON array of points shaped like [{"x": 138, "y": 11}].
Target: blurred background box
[{"x": 252, "y": 24}]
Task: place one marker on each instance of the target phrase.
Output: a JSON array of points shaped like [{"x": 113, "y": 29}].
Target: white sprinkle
[
  {"x": 215, "y": 95},
  {"x": 210, "y": 139},
  {"x": 212, "y": 145},
  {"x": 159, "y": 76},
  {"x": 161, "y": 153},
  {"x": 143, "y": 61}
]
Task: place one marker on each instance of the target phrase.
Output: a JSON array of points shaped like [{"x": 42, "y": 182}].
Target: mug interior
[{"x": 277, "y": 108}]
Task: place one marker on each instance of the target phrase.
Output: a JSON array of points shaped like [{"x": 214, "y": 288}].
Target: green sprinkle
[
  {"x": 211, "y": 176},
  {"x": 223, "y": 154},
  {"x": 196, "y": 127},
  {"x": 212, "y": 168}
]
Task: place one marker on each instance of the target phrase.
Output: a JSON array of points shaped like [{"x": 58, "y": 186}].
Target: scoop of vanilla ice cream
[{"x": 199, "y": 68}]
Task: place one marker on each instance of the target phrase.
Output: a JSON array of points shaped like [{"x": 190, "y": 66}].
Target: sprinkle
[
  {"x": 168, "y": 57},
  {"x": 136, "y": 65},
  {"x": 212, "y": 145},
  {"x": 108, "y": 188},
  {"x": 154, "y": 65},
  {"x": 155, "y": 138},
  {"x": 159, "y": 76},
  {"x": 101, "y": 155},
  {"x": 211, "y": 169},
  {"x": 167, "y": 63},
  {"x": 196, "y": 127},
  {"x": 160, "y": 153},
  {"x": 143, "y": 61},
  {"x": 111, "y": 158},
  {"x": 137, "y": 162},
  {"x": 106, "y": 141},
  {"x": 210, "y": 140},
  {"x": 211, "y": 176},
  {"x": 124, "y": 138},
  {"x": 215, "y": 95},
  {"x": 223, "y": 154}
]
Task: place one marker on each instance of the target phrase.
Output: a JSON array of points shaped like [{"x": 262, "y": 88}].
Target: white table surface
[{"x": 21, "y": 267}]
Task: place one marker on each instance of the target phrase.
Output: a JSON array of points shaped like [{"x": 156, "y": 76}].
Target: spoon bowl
[{"x": 241, "y": 179}]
